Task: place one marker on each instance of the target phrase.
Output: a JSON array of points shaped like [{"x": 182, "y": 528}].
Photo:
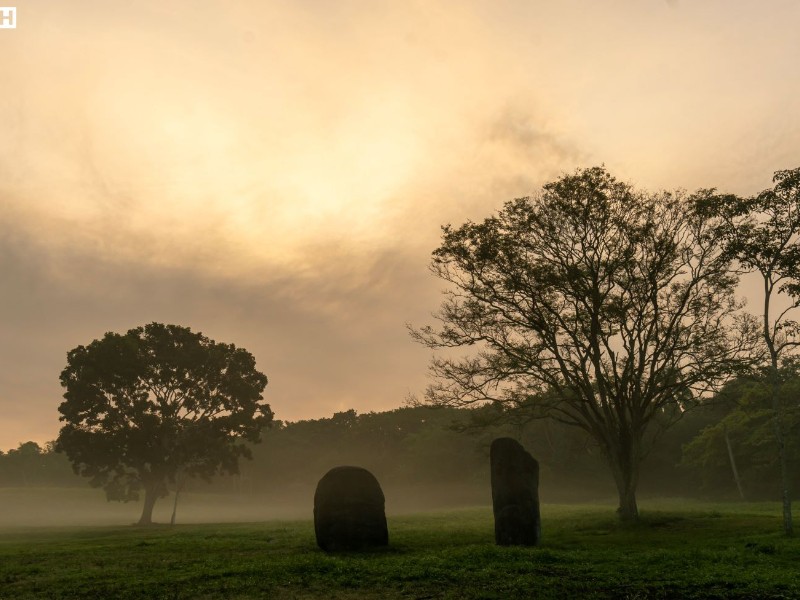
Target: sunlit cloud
[{"x": 284, "y": 167}]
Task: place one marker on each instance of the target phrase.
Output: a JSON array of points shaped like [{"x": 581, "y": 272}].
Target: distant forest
[{"x": 439, "y": 456}]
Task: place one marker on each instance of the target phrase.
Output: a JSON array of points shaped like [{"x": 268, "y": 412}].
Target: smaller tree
[
  {"x": 160, "y": 400},
  {"x": 763, "y": 234}
]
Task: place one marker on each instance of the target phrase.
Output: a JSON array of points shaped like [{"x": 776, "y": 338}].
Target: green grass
[{"x": 679, "y": 550}]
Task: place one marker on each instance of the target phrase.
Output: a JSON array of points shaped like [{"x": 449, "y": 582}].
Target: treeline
[
  {"x": 437, "y": 454},
  {"x": 30, "y": 465},
  {"x": 440, "y": 456}
]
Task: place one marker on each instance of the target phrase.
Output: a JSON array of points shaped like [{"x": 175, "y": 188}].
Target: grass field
[{"x": 680, "y": 550}]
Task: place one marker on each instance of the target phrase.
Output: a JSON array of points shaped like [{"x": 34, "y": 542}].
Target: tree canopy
[
  {"x": 160, "y": 400},
  {"x": 762, "y": 233},
  {"x": 603, "y": 306}
]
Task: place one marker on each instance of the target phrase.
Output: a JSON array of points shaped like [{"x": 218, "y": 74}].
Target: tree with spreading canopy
[
  {"x": 156, "y": 403},
  {"x": 601, "y": 306},
  {"x": 762, "y": 233}
]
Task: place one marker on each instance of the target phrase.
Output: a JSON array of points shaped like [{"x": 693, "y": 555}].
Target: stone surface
[
  {"x": 349, "y": 511},
  {"x": 515, "y": 494}
]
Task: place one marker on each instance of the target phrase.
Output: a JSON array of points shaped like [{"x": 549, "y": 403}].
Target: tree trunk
[
  {"x": 777, "y": 407},
  {"x": 778, "y": 418},
  {"x": 181, "y": 480},
  {"x": 628, "y": 510},
  {"x": 625, "y": 467},
  {"x": 733, "y": 463},
  {"x": 786, "y": 498},
  {"x": 150, "y": 497}
]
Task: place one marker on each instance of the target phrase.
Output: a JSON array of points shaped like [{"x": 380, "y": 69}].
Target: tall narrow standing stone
[
  {"x": 515, "y": 494},
  {"x": 349, "y": 510}
]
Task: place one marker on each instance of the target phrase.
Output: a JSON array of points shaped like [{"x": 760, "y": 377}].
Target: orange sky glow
[{"x": 275, "y": 173}]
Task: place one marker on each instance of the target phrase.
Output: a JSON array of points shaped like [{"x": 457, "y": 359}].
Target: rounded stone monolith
[
  {"x": 349, "y": 511},
  {"x": 515, "y": 494}
]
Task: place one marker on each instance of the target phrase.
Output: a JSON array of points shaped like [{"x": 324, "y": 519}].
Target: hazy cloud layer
[
  {"x": 329, "y": 343},
  {"x": 275, "y": 174}
]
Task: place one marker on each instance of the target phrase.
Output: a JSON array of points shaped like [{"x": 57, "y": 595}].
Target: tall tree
[
  {"x": 141, "y": 407},
  {"x": 763, "y": 233},
  {"x": 605, "y": 307}
]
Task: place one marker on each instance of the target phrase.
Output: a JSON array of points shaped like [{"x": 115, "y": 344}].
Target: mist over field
[
  {"x": 420, "y": 461},
  {"x": 25, "y": 508}
]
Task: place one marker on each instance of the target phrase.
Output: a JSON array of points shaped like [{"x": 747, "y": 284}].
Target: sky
[{"x": 275, "y": 173}]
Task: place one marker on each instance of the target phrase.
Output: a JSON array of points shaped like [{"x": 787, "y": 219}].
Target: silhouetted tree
[
  {"x": 763, "y": 234},
  {"x": 602, "y": 306},
  {"x": 158, "y": 400}
]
